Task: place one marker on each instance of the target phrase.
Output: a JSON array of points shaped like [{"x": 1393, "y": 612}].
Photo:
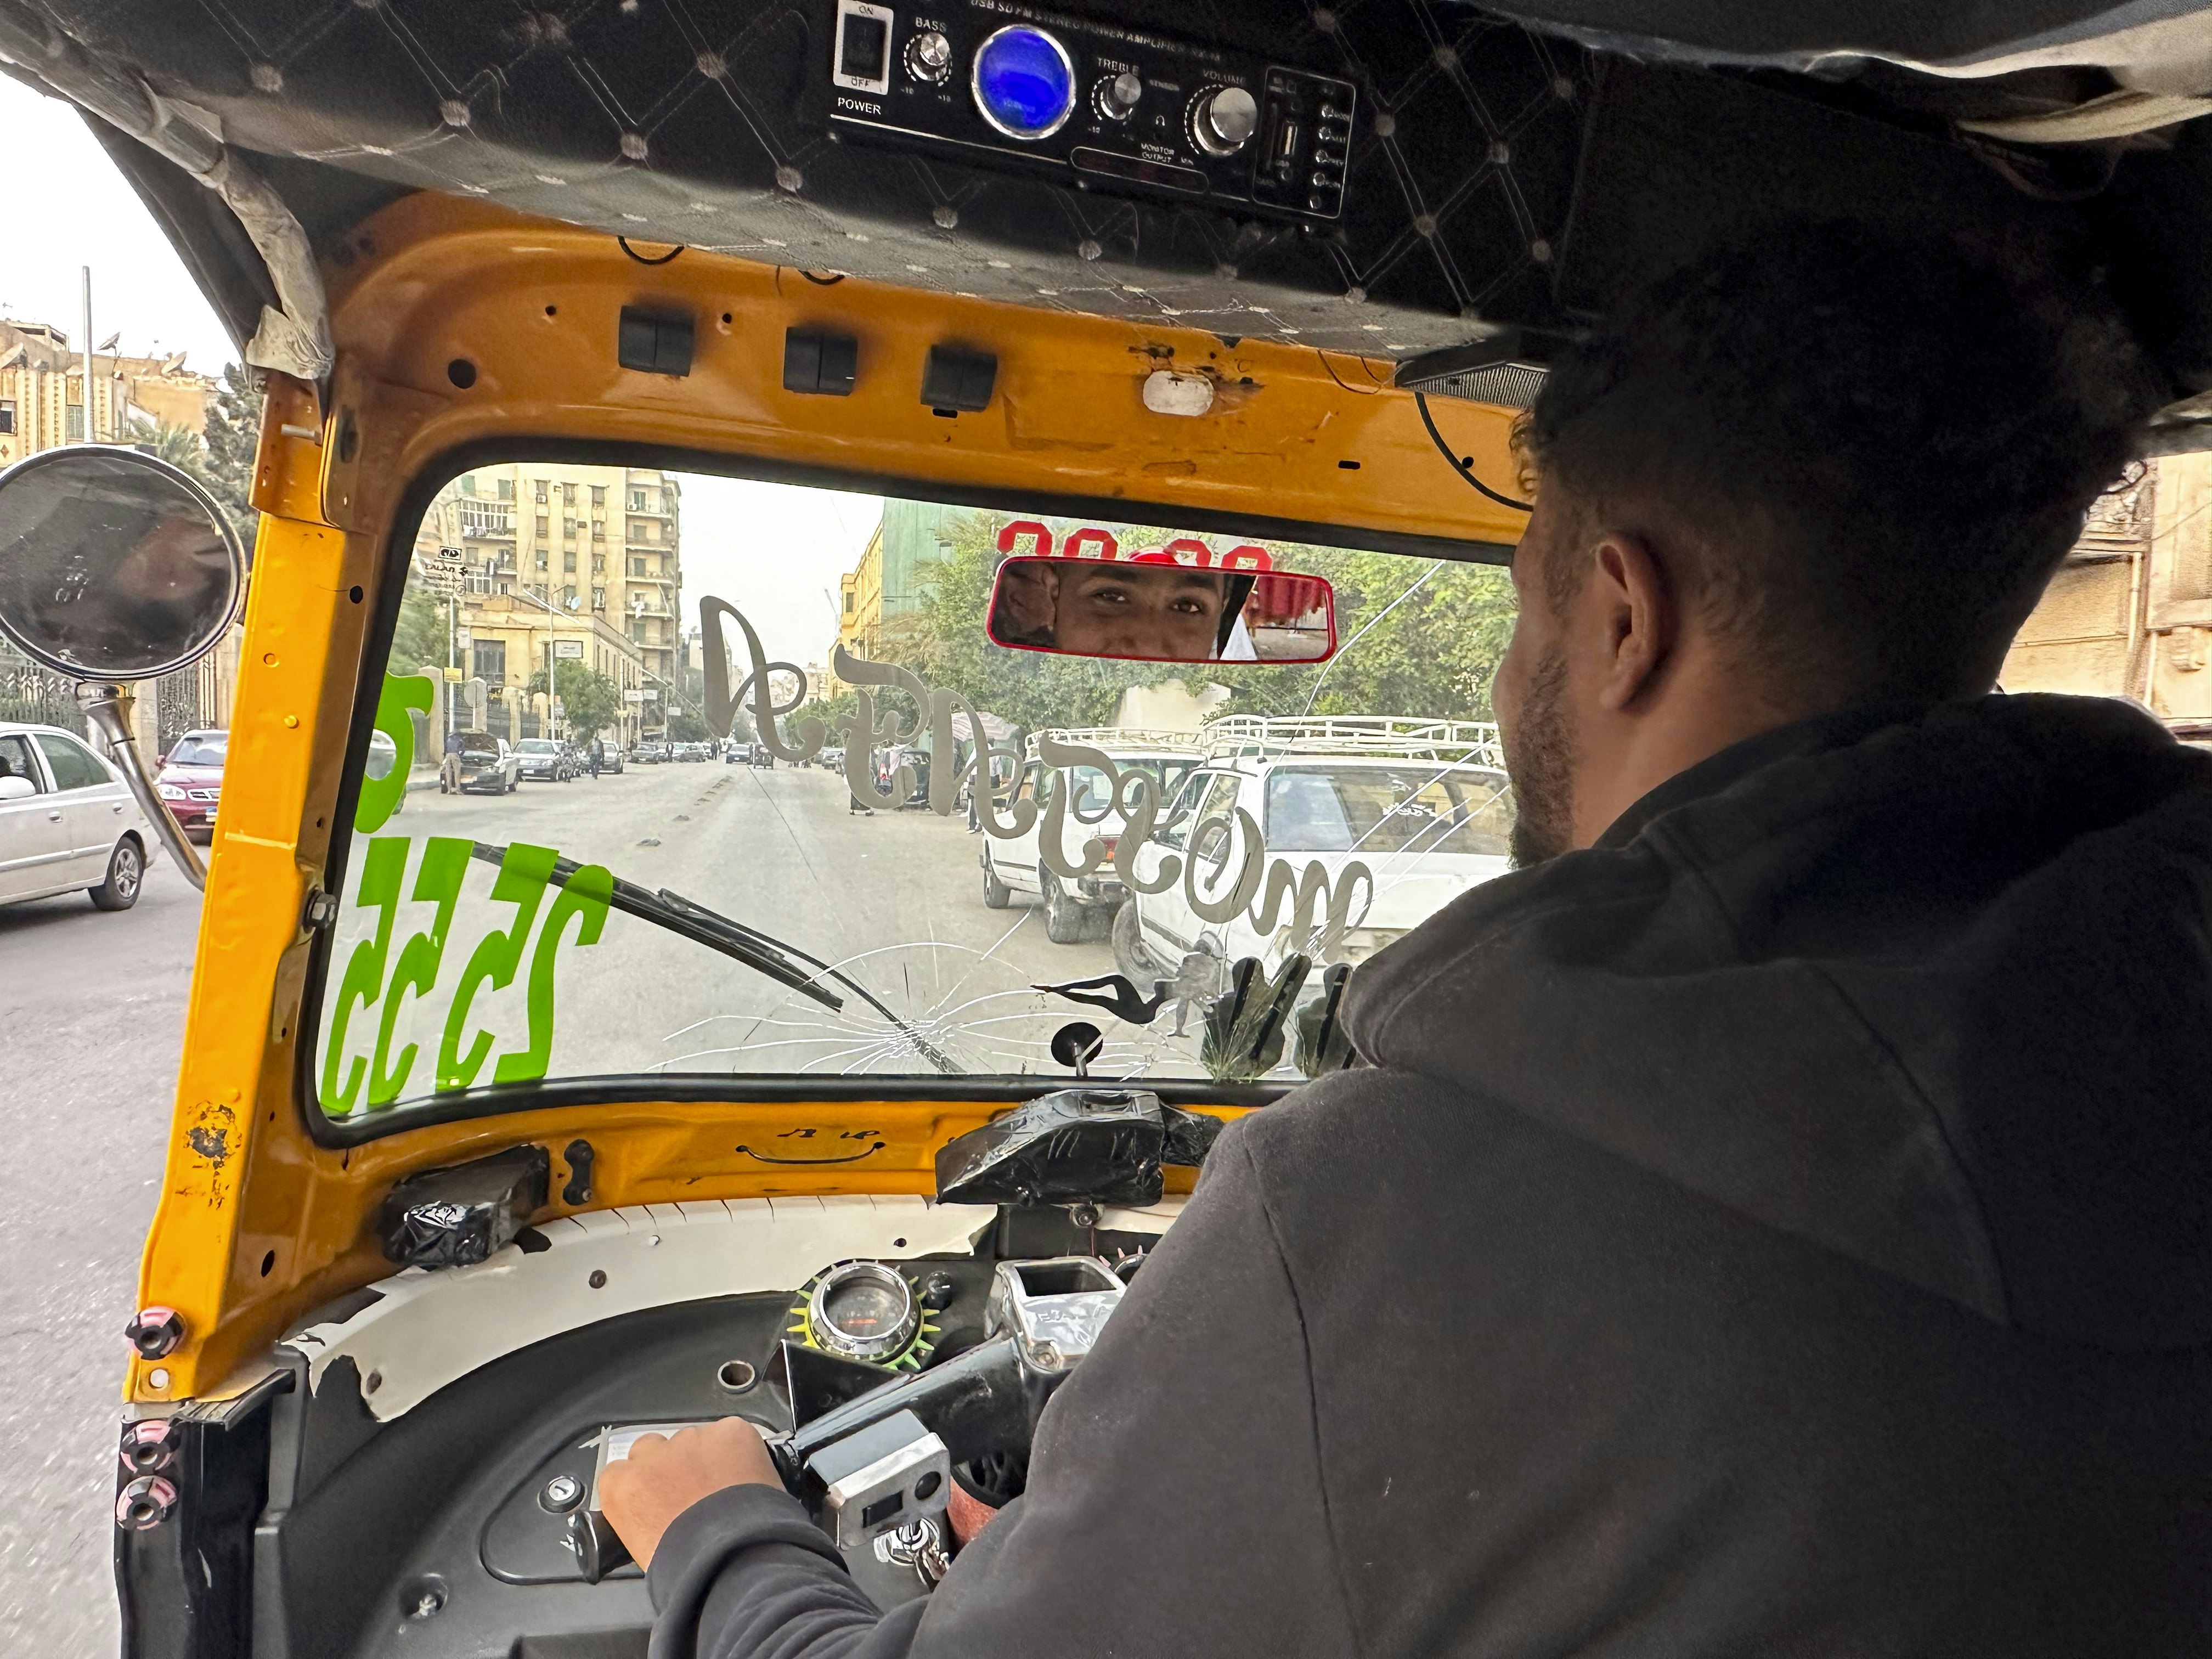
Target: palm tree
[{"x": 180, "y": 446}]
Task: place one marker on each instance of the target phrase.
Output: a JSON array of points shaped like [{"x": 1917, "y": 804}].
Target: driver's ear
[{"x": 1630, "y": 598}]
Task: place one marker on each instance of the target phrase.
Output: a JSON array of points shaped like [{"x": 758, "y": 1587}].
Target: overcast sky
[
  {"x": 776, "y": 552},
  {"x": 73, "y": 208}
]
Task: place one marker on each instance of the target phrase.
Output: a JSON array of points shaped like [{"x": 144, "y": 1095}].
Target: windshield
[
  {"x": 203, "y": 749},
  {"x": 799, "y": 875}
]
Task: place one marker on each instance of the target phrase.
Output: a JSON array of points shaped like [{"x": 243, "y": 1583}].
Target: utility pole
[
  {"x": 91, "y": 415},
  {"x": 452, "y": 652}
]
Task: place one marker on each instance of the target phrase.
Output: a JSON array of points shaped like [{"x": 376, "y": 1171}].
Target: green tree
[
  {"x": 180, "y": 446},
  {"x": 590, "y": 702},
  {"x": 233, "y": 430},
  {"x": 685, "y": 727},
  {"x": 1438, "y": 629},
  {"x": 419, "y": 637}
]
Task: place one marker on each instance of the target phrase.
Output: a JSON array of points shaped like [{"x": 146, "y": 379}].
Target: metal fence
[
  {"x": 193, "y": 699},
  {"x": 28, "y": 692}
]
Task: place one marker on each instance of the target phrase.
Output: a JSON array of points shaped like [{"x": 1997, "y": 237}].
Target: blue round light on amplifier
[{"x": 1025, "y": 83}]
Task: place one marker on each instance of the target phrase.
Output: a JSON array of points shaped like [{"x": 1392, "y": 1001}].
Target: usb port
[{"x": 1286, "y": 143}]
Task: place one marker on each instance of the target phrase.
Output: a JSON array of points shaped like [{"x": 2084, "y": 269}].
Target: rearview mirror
[
  {"x": 114, "y": 565},
  {"x": 1151, "y": 609}
]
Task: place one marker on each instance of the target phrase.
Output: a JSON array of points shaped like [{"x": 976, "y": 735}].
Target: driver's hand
[{"x": 661, "y": 1478}]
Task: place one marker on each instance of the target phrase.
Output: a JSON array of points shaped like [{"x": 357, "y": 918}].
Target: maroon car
[{"x": 191, "y": 778}]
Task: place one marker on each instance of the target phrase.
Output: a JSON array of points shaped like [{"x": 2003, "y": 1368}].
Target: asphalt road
[
  {"x": 92, "y": 1011},
  {"x": 92, "y": 1019},
  {"x": 893, "y": 901}
]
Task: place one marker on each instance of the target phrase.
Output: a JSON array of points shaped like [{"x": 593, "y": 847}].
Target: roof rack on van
[
  {"x": 1121, "y": 738},
  {"x": 1393, "y": 737}
]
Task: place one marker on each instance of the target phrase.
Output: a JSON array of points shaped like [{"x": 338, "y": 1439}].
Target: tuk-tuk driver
[{"x": 1771, "y": 1220}]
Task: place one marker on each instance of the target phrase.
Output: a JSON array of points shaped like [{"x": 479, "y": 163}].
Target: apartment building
[
  {"x": 42, "y": 402},
  {"x": 602, "y": 543}
]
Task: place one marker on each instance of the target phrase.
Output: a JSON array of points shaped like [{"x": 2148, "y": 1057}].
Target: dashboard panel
[{"x": 446, "y": 1529}]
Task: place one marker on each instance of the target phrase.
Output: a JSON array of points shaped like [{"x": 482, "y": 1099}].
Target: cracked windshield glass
[{"x": 677, "y": 776}]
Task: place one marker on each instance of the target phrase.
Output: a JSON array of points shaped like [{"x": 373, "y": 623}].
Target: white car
[
  {"x": 67, "y": 822},
  {"x": 1084, "y": 908},
  {"x": 1423, "y": 804}
]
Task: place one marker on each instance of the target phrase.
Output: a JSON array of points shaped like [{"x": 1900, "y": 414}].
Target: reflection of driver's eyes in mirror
[
  {"x": 1091, "y": 608},
  {"x": 1139, "y": 610},
  {"x": 1152, "y": 610}
]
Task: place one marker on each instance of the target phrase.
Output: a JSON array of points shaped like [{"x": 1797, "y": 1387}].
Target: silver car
[{"x": 67, "y": 821}]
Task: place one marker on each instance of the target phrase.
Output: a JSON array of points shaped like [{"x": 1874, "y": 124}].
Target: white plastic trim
[{"x": 429, "y": 1327}]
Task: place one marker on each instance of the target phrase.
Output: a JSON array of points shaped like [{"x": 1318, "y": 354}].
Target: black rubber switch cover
[
  {"x": 654, "y": 342},
  {"x": 960, "y": 379},
  {"x": 823, "y": 364}
]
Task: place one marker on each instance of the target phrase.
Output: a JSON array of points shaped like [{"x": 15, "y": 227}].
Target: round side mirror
[{"x": 114, "y": 565}]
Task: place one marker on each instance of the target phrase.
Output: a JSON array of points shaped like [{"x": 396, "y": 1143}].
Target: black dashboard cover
[
  {"x": 456, "y": 1217},
  {"x": 1074, "y": 1146}
]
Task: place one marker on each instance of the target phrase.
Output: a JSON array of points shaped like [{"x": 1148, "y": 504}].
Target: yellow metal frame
[{"x": 257, "y": 1223}]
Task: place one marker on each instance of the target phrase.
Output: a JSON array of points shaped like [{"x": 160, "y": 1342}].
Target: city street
[
  {"x": 894, "y": 899},
  {"x": 91, "y": 1006},
  {"x": 94, "y": 1009}
]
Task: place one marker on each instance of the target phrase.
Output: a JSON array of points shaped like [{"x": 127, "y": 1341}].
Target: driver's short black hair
[{"x": 1861, "y": 454}]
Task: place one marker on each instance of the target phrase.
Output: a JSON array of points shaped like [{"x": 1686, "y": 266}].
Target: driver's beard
[{"x": 1540, "y": 761}]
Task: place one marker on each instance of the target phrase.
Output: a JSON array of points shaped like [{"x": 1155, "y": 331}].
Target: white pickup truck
[
  {"x": 1082, "y": 908},
  {"x": 1423, "y": 804}
]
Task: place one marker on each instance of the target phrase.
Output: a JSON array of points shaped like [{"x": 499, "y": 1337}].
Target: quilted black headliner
[{"x": 1498, "y": 176}]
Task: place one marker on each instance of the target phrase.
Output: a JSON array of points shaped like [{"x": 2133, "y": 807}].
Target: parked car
[
  {"x": 887, "y": 763},
  {"x": 383, "y": 755},
  {"x": 831, "y": 759},
  {"x": 541, "y": 760},
  {"x": 691, "y": 751},
  {"x": 736, "y": 754},
  {"x": 1084, "y": 907},
  {"x": 191, "y": 778},
  {"x": 488, "y": 767},
  {"x": 649, "y": 754},
  {"x": 68, "y": 822},
  {"x": 1422, "y": 804}
]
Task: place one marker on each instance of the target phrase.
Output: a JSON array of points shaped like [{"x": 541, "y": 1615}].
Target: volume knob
[{"x": 1223, "y": 119}]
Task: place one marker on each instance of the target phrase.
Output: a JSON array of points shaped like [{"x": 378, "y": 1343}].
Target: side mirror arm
[{"x": 107, "y": 706}]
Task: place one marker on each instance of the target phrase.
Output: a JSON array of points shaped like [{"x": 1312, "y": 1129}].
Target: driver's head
[
  {"x": 1829, "y": 468},
  {"x": 1121, "y": 610}
]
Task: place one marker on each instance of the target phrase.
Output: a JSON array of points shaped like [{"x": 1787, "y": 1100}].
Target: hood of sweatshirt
[{"x": 1932, "y": 990}]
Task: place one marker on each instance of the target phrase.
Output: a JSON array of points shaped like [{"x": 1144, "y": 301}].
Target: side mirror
[
  {"x": 1154, "y": 609},
  {"x": 16, "y": 788},
  {"x": 116, "y": 566}
]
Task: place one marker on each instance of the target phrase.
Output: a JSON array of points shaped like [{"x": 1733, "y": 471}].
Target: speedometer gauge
[{"x": 864, "y": 1310}]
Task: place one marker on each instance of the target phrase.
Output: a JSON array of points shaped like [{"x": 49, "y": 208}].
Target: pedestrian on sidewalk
[{"x": 449, "y": 769}]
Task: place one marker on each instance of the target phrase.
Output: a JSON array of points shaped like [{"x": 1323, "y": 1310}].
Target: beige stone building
[
  {"x": 2129, "y": 613},
  {"x": 42, "y": 402},
  {"x": 601, "y": 544}
]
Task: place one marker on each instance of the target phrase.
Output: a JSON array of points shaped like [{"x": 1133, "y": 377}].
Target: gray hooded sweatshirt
[{"x": 1784, "y": 1228}]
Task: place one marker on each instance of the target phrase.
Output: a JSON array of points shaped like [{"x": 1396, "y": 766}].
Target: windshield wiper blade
[
  {"x": 785, "y": 964},
  {"x": 705, "y": 917},
  {"x": 698, "y": 924}
]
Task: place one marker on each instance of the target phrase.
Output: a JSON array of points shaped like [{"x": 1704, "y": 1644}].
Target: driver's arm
[{"x": 1175, "y": 1503}]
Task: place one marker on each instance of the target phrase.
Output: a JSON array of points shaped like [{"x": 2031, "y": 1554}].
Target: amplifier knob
[
  {"x": 1223, "y": 119},
  {"x": 1117, "y": 97},
  {"x": 929, "y": 56}
]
